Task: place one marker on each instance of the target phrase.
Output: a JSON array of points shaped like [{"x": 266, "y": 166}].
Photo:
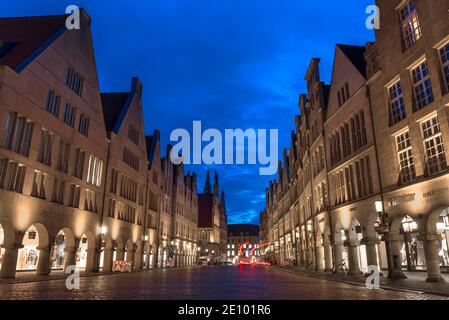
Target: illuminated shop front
[
  {"x": 28, "y": 255},
  {"x": 81, "y": 254},
  {"x": 361, "y": 250},
  {"x": 412, "y": 249},
  {"x": 57, "y": 254},
  {"x": 443, "y": 244},
  {"x": 2, "y": 250}
]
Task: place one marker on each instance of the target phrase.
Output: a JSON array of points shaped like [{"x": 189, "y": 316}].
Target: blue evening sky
[{"x": 230, "y": 64}]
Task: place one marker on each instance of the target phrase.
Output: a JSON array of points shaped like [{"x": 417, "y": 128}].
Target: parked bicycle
[{"x": 340, "y": 268}]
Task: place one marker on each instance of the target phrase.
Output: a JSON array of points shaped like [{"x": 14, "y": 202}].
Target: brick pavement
[
  {"x": 204, "y": 283},
  {"x": 415, "y": 282}
]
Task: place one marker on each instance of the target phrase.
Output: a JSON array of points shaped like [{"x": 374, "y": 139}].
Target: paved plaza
[{"x": 213, "y": 282}]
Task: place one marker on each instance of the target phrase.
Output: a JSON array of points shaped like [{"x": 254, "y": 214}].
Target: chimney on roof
[{"x": 137, "y": 86}]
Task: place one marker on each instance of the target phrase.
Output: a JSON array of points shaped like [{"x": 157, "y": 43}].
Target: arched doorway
[
  {"x": 443, "y": 244},
  {"x": 410, "y": 246},
  {"x": 2, "y": 242},
  {"x": 28, "y": 255},
  {"x": 81, "y": 254},
  {"x": 63, "y": 249},
  {"x": 57, "y": 252},
  {"x": 355, "y": 248},
  {"x": 106, "y": 254},
  {"x": 438, "y": 223}
]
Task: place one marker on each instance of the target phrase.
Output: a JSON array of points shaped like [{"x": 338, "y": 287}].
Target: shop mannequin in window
[{"x": 414, "y": 252}]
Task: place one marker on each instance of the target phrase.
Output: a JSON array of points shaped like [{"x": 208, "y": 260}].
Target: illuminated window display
[
  {"x": 412, "y": 249},
  {"x": 443, "y": 229},
  {"x": 29, "y": 255},
  {"x": 2, "y": 251},
  {"x": 362, "y": 252},
  {"x": 57, "y": 254},
  {"x": 81, "y": 255}
]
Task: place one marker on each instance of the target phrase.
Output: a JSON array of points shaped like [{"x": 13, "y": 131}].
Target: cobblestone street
[{"x": 215, "y": 282}]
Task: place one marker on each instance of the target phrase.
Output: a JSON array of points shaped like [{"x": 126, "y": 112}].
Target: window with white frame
[
  {"x": 411, "y": 29},
  {"x": 444, "y": 56},
  {"x": 63, "y": 156},
  {"x": 433, "y": 146},
  {"x": 397, "y": 105},
  {"x": 69, "y": 115},
  {"x": 78, "y": 166},
  {"x": 422, "y": 87},
  {"x": 38, "y": 188},
  {"x": 17, "y": 134},
  {"x": 95, "y": 171},
  {"x": 407, "y": 171},
  {"x": 52, "y": 103},
  {"x": 45, "y": 147},
  {"x": 58, "y": 191},
  {"x": 74, "y": 196}
]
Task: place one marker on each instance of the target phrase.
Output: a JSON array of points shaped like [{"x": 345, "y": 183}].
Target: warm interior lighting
[{"x": 379, "y": 206}]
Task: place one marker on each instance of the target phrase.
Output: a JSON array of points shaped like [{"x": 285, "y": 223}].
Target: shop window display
[
  {"x": 2, "y": 251},
  {"x": 29, "y": 255},
  {"x": 361, "y": 250},
  {"x": 57, "y": 254},
  {"x": 81, "y": 255},
  {"x": 345, "y": 250},
  {"x": 412, "y": 249},
  {"x": 443, "y": 245}
]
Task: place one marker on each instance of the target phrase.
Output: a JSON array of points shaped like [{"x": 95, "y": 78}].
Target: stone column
[
  {"x": 138, "y": 259},
  {"x": 327, "y": 257},
  {"x": 69, "y": 257},
  {"x": 130, "y": 257},
  {"x": 9, "y": 264},
  {"x": 338, "y": 254},
  {"x": 91, "y": 260},
  {"x": 393, "y": 242},
  {"x": 432, "y": 257},
  {"x": 120, "y": 255},
  {"x": 43, "y": 264},
  {"x": 371, "y": 253},
  {"x": 108, "y": 255},
  {"x": 319, "y": 258},
  {"x": 353, "y": 258}
]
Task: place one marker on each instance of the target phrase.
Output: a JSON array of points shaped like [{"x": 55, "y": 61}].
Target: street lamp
[
  {"x": 384, "y": 230},
  {"x": 104, "y": 230},
  {"x": 146, "y": 238}
]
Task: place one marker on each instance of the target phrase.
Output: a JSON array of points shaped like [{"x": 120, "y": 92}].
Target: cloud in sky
[{"x": 231, "y": 64}]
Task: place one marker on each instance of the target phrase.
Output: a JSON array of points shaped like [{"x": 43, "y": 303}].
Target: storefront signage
[
  {"x": 401, "y": 199},
  {"x": 53, "y": 215},
  {"x": 435, "y": 192}
]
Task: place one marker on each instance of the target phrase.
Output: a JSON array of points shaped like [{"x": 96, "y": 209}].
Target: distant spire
[
  {"x": 207, "y": 185},
  {"x": 222, "y": 200},
  {"x": 216, "y": 187}
]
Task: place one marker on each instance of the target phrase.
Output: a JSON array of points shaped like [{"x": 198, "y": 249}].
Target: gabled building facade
[
  {"x": 80, "y": 183},
  {"x": 212, "y": 220},
  {"x": 54, "y": 146},
  {"x": 385, "y": 168}
]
